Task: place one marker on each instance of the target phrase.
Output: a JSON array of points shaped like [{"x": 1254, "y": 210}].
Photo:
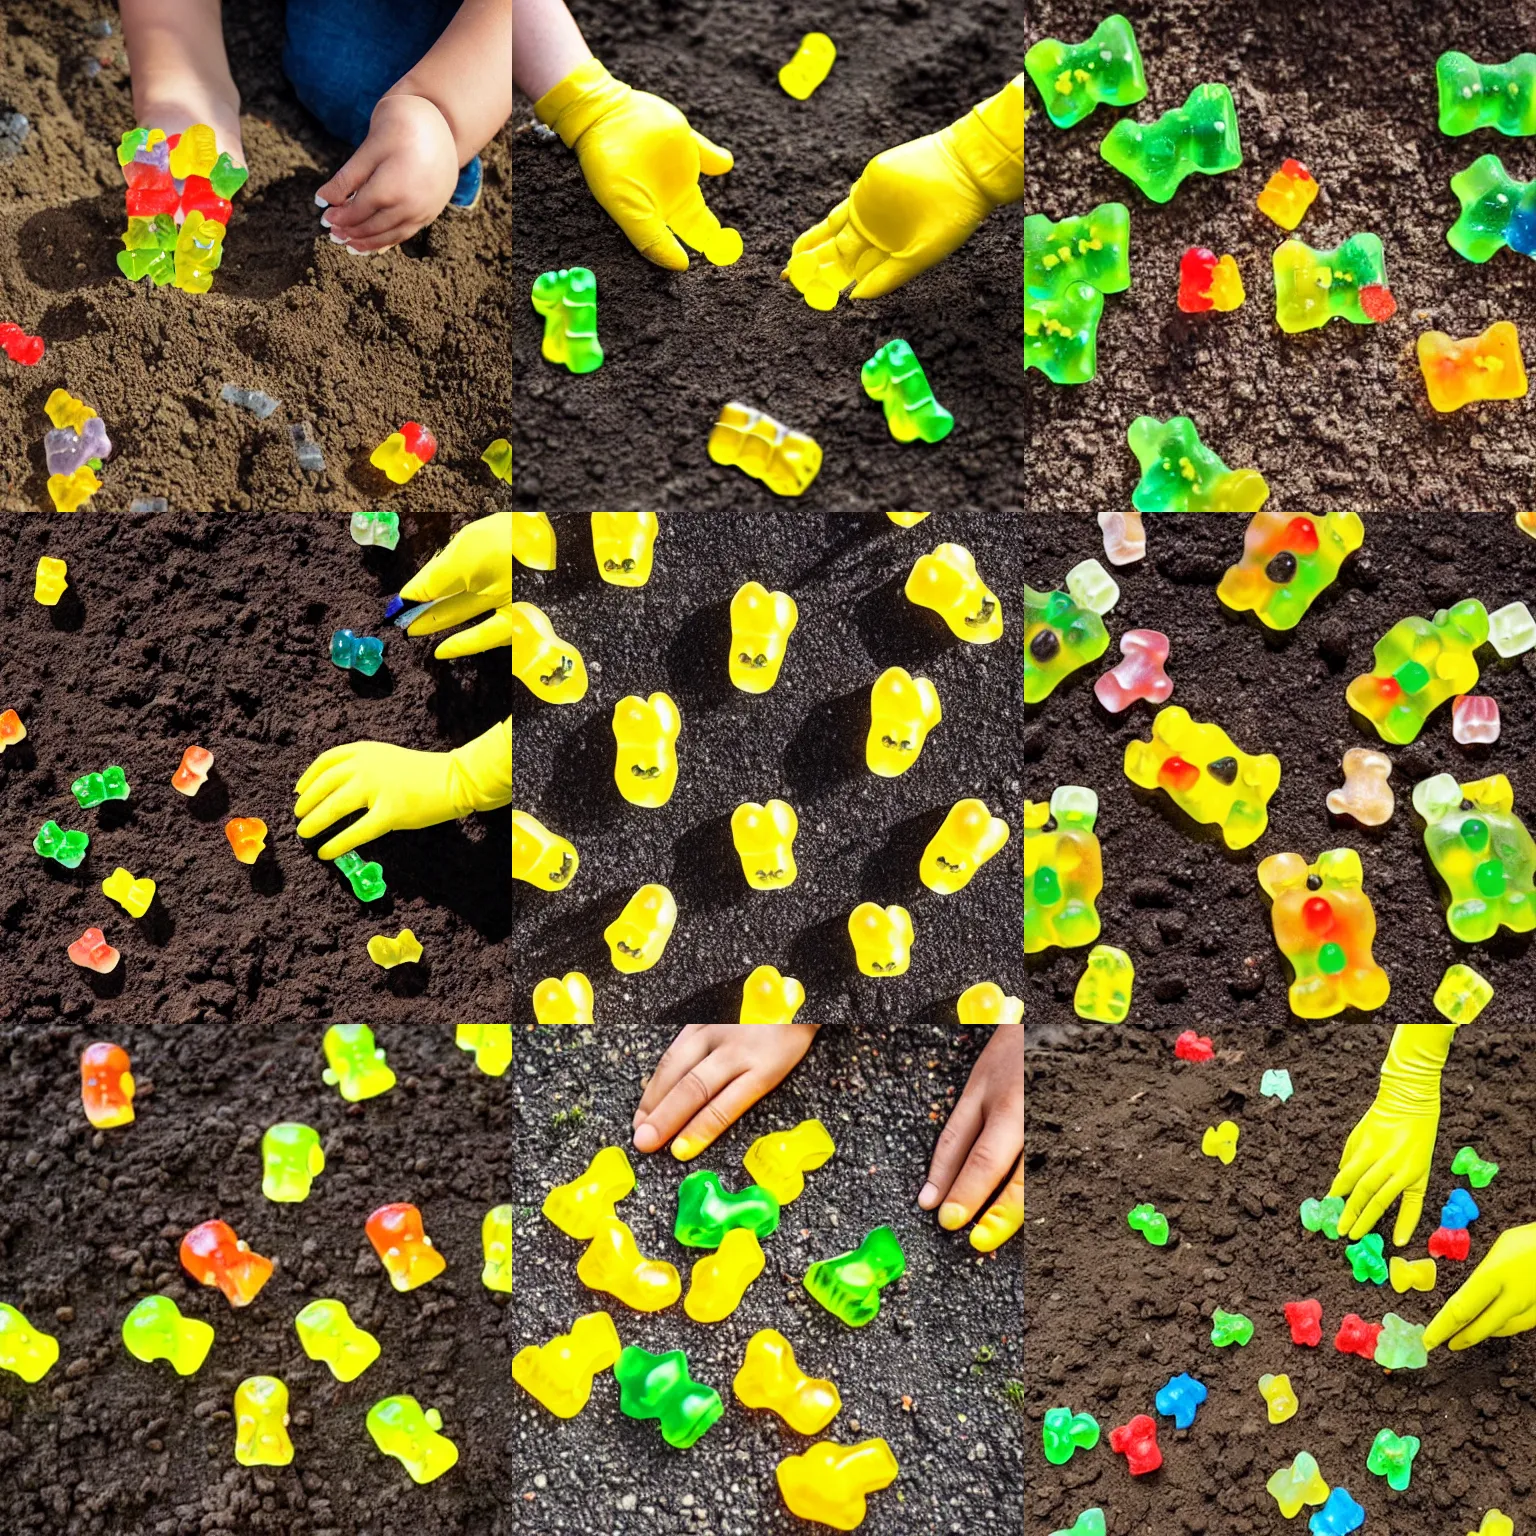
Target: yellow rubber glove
[
  {"x": 914, "y": 204},
  {"x": 402, "y": 789},
  {"x": 642, "y": 162},
  {"x": 472, "y": 574},
  {"x": 1389, "y": 1152},
  {"x": 1498, "y": 1298}
]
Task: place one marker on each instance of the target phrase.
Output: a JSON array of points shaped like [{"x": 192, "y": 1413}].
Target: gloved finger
[
  {"x": 693, "y": 220},
  {"x": 714, "y": 159},
  {"x": 448, "y": 611},
  {"x": 1521, "y": 1322},
  {"x": 818, "y": 234},
  {"x": 1394, "y": 1186},
  {"x": 328, "y": 782},
  {"x": 438, "y": 578},
  {"x": 375, "y": 824},
  {"x": 1361, "y": 1196},
  {"x": 1352, "y": 1169},
  {"x": 647, "y": 231},
  {"x": 1502, "y": 1310},
  {"x": 327, "y": 759},
  {"x": 1003, "y": 1218},
  {"x": 887, "y": 275},
  {"x": 1408, "y": 1214},
  {"x": 485, "y": 636},
  {"x": 342, "y": 801},
  {"x": 1479, "y": 1290}
]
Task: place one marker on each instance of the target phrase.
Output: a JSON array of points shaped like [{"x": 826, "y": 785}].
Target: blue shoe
[{"x": 467, "y": 194}]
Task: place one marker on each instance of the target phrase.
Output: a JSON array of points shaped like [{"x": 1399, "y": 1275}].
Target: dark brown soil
[
  {"x": 1190, "y": 911},
  {"x": 91, "y": 1221},
  {"x": 1115, "y": 1120},
  {"x": 680, "y": 345},
  {"x": 216, "y": 630},
  {"x": 1336, "y": 417},
  {"x": 351, "y": 347}
]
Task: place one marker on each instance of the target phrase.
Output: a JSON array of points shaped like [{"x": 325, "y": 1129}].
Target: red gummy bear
[
  {"x": 1192, "y": 1047},
  {"x": 401, "y": 1242},
  {"x": 1137, "y": 1442},
  {"x": 1306, "y": 1320},
  {"x": 150, "y": 191},
  {"x": 1450, "y": 1243},
  {"x": 1357, "y": 1337},
  {"x": 213, "y": 1255},
  {"x": 20, "y": 347},
  {"x": 1197, "y": 266},
  {"x": 418, "y": 440},
  {"x": 92, "y": 952},
  {"x": 197, "y": 192}
]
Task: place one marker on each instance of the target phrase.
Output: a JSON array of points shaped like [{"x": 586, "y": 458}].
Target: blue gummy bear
[
  {"x": 393, "y": 606},
  {"x": 1338, "y": 1517},
  {"x": 1179, "y": 1399},
  {"x": 1460, "y": 1211},
  {"x": 365, "y": 655}
]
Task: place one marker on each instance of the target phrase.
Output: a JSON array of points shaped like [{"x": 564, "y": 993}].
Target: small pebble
[
  {"x": 14, "y": 129},
  {"x": 101, "y": 28},
  {"x": 150, "y": 504},
  {"x": 92, "y": 68},
  {"x": 259, "y": 405}
]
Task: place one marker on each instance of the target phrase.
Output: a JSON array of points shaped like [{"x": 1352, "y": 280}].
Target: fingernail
[
  {"x": 646, "y": 1139},
  {"x": 337, "y": 240},
  {"x": 351, "y": 252},
  {"x": 320, "y": 202},
  {"x": 952, "y": 1215},
  {"x": 929, "y": 1197},
  {"x": 325, "y": 223}
]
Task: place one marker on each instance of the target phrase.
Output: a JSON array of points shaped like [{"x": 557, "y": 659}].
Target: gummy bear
[
  {"x": 1092, "y": 248},
  {"x": 134, "y": 896},
  {"x": 291, "y": 1159},
  {"x": 1208, "y": 282},
  {"x": 720, "y": 1280},
  {"x": 1140, "y": 676},
  {"x": 1061, "y": 334},
  {"x": 1450, "y": 1243},
  {"x": 567, "y": 299},
  {"x": 559, "y": 1374},
  {"x": 1288, "y": 194},
  {"x": 247, "y": 837},
  {"x": 1298, "y": 1484},
  {"x": 624, "y": 546},
  {"x": 403, "y": 1246},
  {"x": 24, "y": 1350},
  {"x": 987, "y": 1003},
  {"x": 402, "y": 453},
  {"x": 849, "y": 1286},
  {"x": 498, "y": 458},
  {"x": 1205, "y": 775},
  {"x": 1306, "y": 1321},
  {"x": 1278, "y": 1393},
  {"x": 946, "y": 581},
  {"x": 1474, "y": 719},
  {"x": 1287, "y": 562},
  {"x": 1073, "y": 78},
  {"x": 969, "y": 835},
  {"x": 1499, "y": 96},
  {"x": 1512, "y": 630},
  {"x": 660, "y": 1387},
  {"x": 1495, "y": 1523},
  {"x": 533, "y": 540},
  {"x": 50, "y": 584},
  {"x": 810, "y": 65},
  {"x": 1325, "y": 925},
  {"x": 365, "y": 655},
  {"x": 786, "y": 461},
  {"x": 356, "y": 1066},
  {"x": 1457, "y": 1214},
  {"x": 1150, "y": 1222},
  {"x": 563, "y": 999},
  {"x": 1063, "y": 870},
  {"x": 1496, "y": 211},
  {"x": 149, "y": 246},
  {"x": 580, "y": 1207},
  {"x": 67, "y": 848},
  {"x": 70, "y": 492},
  {"x": 66, "y": 449},
  {"x": 541, "y": 857},
  {"x": 1065, "y": 1433},
  {"x": 1416, "y": 1276},
  {"x": 93, "y": 789},
  {"x": 19, "y": 347},
  {"x": 92, "y": 952},
  {"x": 612, "y": 1263},
  {"x": 403, "y": 949},
  {"x": 199, "y": 196},
  {"x": 1180, "y": 474},
  {"x": 882, "y": 939},
  {"x": 706, "y": 1211},
  {"x": 1199, "y": 136},
  {"x": 63, "y": 410},
  {"x": 1312, "y": 287},
  {"x": 1104, "y": 989},
  {"x": 896, "y": 378},
  {"x": 1230, "y": 1328},
  {"x": 491, "y": 1044},
  {"x": 1065, "y": 630},
  {"x": 156, "y": 1330},
  {"x": 646, "y": 731},
  {"x": 327, "y": 1333},
  {"x": 779, "y": 1160},
  {"x": 400, "y": 1429},
  {"x": 1192, "y": 1047},
  {"x": 1478, "y": 1173},
  {"x": 770, "y": 998},
  {"x": 381, "y": 528},
  {"x": 907, "y": 519},
  {"x": 496, "y": 1245},
  {"x": 1220, "y": 1141},
  {"x": 193, "y": 152},
  {"x": 1179, "y": 1399},
  {"x": 214, "y": 1256},
  {"x": 106, "y": 1085},
  {"x": 761, "y": 624},
  {"x": 1276, "y": 1084},
  {"x": 12, "y": 730},
  {"x": 770, "y": 1378},
  {"x": 1339, "y": 1515},
  {"x": 1392, "y": 1456},
  {"x": 225, "y": 177},
  {"x": 830, "y": 1483},
  {"x": 199, "y": 250},
  {"x": 902, "y": 711},
  {"x": 639, "y": 934},
  {"x": 366, "y": 880},
  {"x": 261, "y": 1423},
  {"x": 1365, "y": 1259},
  {"x": 1482, "y": 852},
  {"x": 1323, "y": 1216},
  {"x": 1137, "y": 1442},
  {"x": 548, "y": 666},
  {"x": 193, "y": 772},
  {"x": 1366, "y": 795},
  {"x": 1357, "y": 1337},
  {"x": 1487, "y": 366}
]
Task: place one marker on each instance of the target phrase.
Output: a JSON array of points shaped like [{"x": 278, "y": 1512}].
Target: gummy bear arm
[{"x": 989, "y": 141}]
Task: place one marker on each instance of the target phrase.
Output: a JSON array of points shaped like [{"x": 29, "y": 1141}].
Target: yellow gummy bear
[
  {"x": 761, "y": 624},
  {"x": 1226, "y": 289},
  {"x": 764, "y": 836},
  {"x": 780, "y": 1160},
  {"x": 559, "y": 1374},
  {"x": 134, "y": 896},
  {"x": 987, "y": 1003},
  {"x": 563, "y": 1000},
  {"x": 64, "y": 410},
  {"x": 491, "y": 1043},
  {"x": 811, "y": 65},
  {"x": 646, "y": 731},
  {"x": 624, "y": 545},
  {"x": 1414, "y": 1275},
  {"x": 1298, "y": 1484},
  {"x": 395, "y": 459},
  {"x": 1104, "y": 989},
  {"x": 1220, "y": 1141},
  {"x": 771, "y": 1378},
  {"x": 829, "y": 1481},
  {"x": 261, "y": 1423},
  {"x": 769, "y": 998},
  {"x": 907, "y": 519},
  {"x": 785, "y": 461},
  {"x": 327, "y": 1333},
  {"x": 199, "y": 250},
  {"x": 541, "y": 857},
  {"x": 1278, "y": 1394},
  {"x": 612, "y": 1263},
  {"x": 542, "y": 661},
  {"x": 882, "y": 939},
  {"x": 533, "y": 540},
  {"x": 720, "y": 1279},
  {"x": 400, "y": 1429},
  {"x": 403, "y": 949},
  {"x": 1487, "y": 366},
  {"x": 195, "y": 153},
  {"x": 25, "y": 1350},
  {"x": 582, "y": 1206},
  {"x": 496, "y": 1243},
  {"x": 969, "y": 836},
  {"x": 639, "y": 934},
  {"x": 1495, "y": 1523},
  {"x": 902, "y": 711},
  {"x": 71, "y": 492},
  {"x": 947, "y": 582},
  {"x": 50, "y": 583}
]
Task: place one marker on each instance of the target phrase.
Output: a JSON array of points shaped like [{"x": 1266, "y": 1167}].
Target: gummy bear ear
[
  {"x": 1282, "y": 872},
  {"x": 1436, "y": 798},
  {"x": 1490, "y": 794},
  {"x": 1073, "y": 805},
  {"x": 1340, "y": 866}
]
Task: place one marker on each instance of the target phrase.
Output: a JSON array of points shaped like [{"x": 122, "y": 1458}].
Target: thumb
[
  {"x": 351, "y": 178},
  {"x": 714, "y": 159},
  {"x": 484, "y": 636},
  {"x": 1409, "y": 1210}
]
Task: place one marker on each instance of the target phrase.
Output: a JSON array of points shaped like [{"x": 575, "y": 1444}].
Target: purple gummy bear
[
  {"x": 67, "y": 450},
  {"x": 159, "y": 156},
  {"x": 1140, "y": 675}
]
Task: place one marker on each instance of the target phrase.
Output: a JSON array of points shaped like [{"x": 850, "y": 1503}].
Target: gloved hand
[
  {"x": 1389, "y": 1152},
  {"x": 402, "y": 789},
  {"x": 1497, "y": 1299},
  {"x": 474, "y": 573},
  {"x": 914, "y": 204},
  {"x": 642, "y": 162}
]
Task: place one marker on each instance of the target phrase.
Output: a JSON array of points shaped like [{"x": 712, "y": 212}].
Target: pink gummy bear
[
  {"x": 1125, "y": 540},
  {"x": 1140, "y": 675},
  {"x": 1474, "y": 719}
]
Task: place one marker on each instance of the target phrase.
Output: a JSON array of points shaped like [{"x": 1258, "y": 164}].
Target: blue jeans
[{"x": 341, "y": 56}]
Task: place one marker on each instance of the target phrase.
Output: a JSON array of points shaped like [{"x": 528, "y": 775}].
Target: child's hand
[
  {"x": 982, "y": 1141},
  {"x": 398, "y": 180},
  {"x": 711, "y": 1075},
  {"x": 1498, "y": 1298}
]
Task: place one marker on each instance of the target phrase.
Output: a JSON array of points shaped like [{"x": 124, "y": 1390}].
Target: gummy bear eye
[
  {"x": 1282, "y": 568},
  {"x": 1045, "y": 645},
  {"x": 1314, "y": 882},
  {"x": 1223, "y": 770}
]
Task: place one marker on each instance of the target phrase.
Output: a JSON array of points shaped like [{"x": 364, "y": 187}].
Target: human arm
[
  {"x": 546, "y": 45},
  {"x": 180, "y": 71}
]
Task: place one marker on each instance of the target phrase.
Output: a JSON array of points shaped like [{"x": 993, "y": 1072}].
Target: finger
[
  {"x": 1519, "y": 1323},
  {"x": 647, "y": 231},
  {"x": 719, "y": 1114},
  {"x": 686, "y": 1051},
  {"x": 886, "y": 276},
  {"x": 1493, "y": 1319},
  {"x": 349, "y": 180},
  {"x": 699, "y": 228},
  {"x": 485, "y": 636},
  {"x": 1408, "y": 1214},
  {"x": 1466, "y": 1304},
  {"x": 714, "y": 159},
  {"x": 446, "y": 612},
  {"x": 955, "y": 1142},
  {"x": 376, "y": 245},
  {"x": 984, "y": 1170},
  {"x": 687, "y": 1097},
  {"x": 346, "y": 216},
  {"x": 1351, "y": 1166},
  {"x": 1004, "y": 1217},
  {"x": 375, "y": 824},
  {"x": 332, "y": 779},
  {"x": 1376, "y": 1208},
  {"x": 327, "y": 759},
  {"x": 342, "y": 801},
  {"x": 371, "y": 215},
  {"x": 818, "y": 234},
  {"x": 1362, "y": 1194}
]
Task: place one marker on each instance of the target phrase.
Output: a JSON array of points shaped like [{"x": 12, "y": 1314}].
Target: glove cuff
[
  {"x": 586, "y": 94},
  {"x": 480, "y": 772},
  {"x": 1410, "y": 1075},
  {"x": 989, "y": 140}
]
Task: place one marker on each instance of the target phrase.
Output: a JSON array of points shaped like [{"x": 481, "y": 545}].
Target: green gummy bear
[
  {"x": 1073, "y": 78},
  {"x": 1401, "y": 1345},
  {"x": 1199, "y": 136},
  {"x": 290, "y": 1159},
  {"x": 355, "y": 1066},
  {"x": 896, "y": 378},
  {"x": 706, "y": 1212},
  {"x": 367, "y": 879},
  {"x": 568, "y": 301},
  {"x": 1392, "y": 1455},
  {"x": 1089, "y": 1523},
  {"x": 1150, "y": 1222},
  {"x": 1230, "y": 1328},
  {"x": 132, "y": 141},
  {"x": 1366, "y": 1260},
  {"x": 659, "y": 1387},
  {"x": 1063, "y": 868},
  {"x": 1065, "y": 1433},
  {"x": 849, "y": 1286},
  {"x": 1311, "y": 287},
  {"x": 1419, "y": 665},
  {"x": 52, "y": 842},
  {"x": 1061, "y": 334},
  {"x": 226, "y": 178},
  {"x": 1180, "y": 474},
  {"x": 93, "y": 789},
  {"x": 1472, "y": 95},
  {"x": 1478, "y": 1173},
  {"x": 1484, "y": 854},
  {"x": 1496, "y": 210},
  {"x": 156, "y": 1330},
  {"x": 1061, "y": 634},
  {"x": 1092, "y": 248},
  {"x": 1323, "y": 1216}
]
